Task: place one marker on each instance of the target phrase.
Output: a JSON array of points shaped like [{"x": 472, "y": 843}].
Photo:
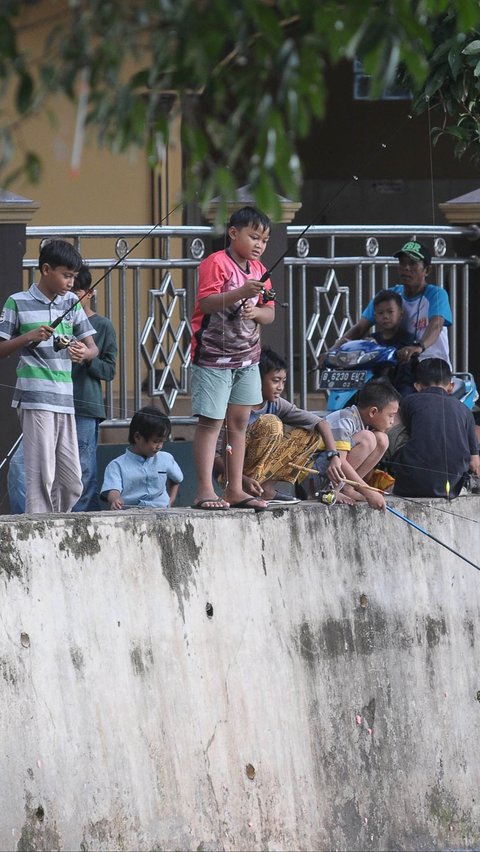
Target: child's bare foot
[
  {"x": 210, "y": 503},
  {"x": 341, "y": 497}
]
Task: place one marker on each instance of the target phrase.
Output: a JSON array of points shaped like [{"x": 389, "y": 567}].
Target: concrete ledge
[{"x": 297, "y": 679}]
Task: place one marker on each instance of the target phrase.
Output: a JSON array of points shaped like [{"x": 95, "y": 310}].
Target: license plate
[{"x": 342, "y": 379}]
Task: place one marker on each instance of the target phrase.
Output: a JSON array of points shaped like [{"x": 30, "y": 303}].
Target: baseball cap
[{"x": 417, "y": 251}]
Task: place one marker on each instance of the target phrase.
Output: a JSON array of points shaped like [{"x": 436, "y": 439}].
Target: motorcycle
[{"x": 348, "y": 369}]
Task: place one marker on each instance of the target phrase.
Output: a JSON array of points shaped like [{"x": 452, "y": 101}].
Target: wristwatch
[
  {"x": 419, "y": 344},
  {"x": 332, "y": 453}
]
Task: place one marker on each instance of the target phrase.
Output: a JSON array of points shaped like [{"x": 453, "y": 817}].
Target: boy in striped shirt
[{"x": 44, "y": 393}]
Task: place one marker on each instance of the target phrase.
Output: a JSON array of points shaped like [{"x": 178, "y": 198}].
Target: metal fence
[{"x": 331, "y": 272}]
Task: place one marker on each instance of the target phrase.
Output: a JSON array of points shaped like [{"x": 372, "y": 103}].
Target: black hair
[
  {"x": 388, "y": 296},
  {"x": 378, "y": 392},
  {"x": 270, "y": 360},
  {"x": 83, "y": 279},
  {"x": 247, "y": 217},
  {"x": 149, "y": 422},
  {"x": 433, "y": 371},
  {"x": 59, "y": 253}
]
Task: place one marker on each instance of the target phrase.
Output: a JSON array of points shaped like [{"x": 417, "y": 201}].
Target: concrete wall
[{"x": 329, "y": 699}]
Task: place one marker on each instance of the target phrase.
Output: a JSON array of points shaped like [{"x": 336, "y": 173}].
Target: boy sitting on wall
[
  {"x": 270, "y": 455},
  {"x": 145, "y": 476},
  {"x": 436, "y": 445},
  {"x": 360, "y": 434}
]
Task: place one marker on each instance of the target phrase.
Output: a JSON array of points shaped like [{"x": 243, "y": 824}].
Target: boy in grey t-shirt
[{"x": 43, "y": 393}]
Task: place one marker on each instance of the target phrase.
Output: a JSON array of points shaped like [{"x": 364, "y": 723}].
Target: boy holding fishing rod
[{"x": 44, "y": 392}]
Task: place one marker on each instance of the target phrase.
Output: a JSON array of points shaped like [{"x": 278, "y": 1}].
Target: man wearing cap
[{"x": 426, "y": 309}]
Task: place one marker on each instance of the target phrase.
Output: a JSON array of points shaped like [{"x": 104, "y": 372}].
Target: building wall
[
  {"x": 108, "y": 188},
  {"x": 298, "y": 679}
]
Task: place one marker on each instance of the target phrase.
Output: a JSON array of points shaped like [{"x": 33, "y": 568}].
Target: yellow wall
[{"x": 109, "y": 188}]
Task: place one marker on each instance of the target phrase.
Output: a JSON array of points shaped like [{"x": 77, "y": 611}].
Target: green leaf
[
  {"x": 33, "y": 167},
  {"x": 458, "y": 132},
  {"x": 473, "y": 47}
]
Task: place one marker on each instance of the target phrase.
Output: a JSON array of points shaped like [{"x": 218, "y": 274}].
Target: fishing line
[
  {"x": 324, "y": 209},
  {"x": 430, "y": 535},
  {"x": 419, "y": 502},
  {"x": 56, "y": 322},
  {"x": 432, "y": 192}
]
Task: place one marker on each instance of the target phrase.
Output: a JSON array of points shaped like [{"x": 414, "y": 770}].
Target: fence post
[
  {"x": 465, "y": 210},
  {"x": 15, "y": 212}
]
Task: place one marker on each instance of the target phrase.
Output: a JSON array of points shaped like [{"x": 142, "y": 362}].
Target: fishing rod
[
  {"x": 11, "y": 450},
  {"x": 266, "y": 275},
  {"x": 270, "y": 295},
  {"x": 397, "y": 513},
  {"x": 62, "y": 341},
  {"x": 429, "y": 535}
]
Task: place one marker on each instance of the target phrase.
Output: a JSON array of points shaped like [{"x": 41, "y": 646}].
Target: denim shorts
[{"x": 213, "y": 389}]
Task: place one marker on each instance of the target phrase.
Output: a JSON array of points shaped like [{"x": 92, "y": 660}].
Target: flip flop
[
  {"x": 202, "y": 504},
  {"x": 281, "y": 499},
  {"x": 248, "y": 504}
]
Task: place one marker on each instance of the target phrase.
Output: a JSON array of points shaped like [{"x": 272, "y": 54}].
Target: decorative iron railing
[{"x": 331, "y": 272}]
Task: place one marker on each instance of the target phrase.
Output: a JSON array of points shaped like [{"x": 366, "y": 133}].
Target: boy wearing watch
[
  {"x": 360, "y": 435},
  {"x": 270, "y": 455}
]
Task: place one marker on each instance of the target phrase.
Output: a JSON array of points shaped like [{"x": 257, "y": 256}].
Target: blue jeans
[
  {"x": 16, "y": 481},
  {"x": 87, "y": 436}
]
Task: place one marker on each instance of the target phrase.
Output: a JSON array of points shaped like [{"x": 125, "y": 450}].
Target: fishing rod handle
[{"x": 33, "y": 345}]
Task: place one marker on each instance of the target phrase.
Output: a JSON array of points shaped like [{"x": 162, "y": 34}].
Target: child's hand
[
  {"x": 374, "y": 499},
  {"x": 77, "y": 351},
  {"x": 251, "y": 486},
  {"x": 249, "y": 311},
  {"x": 37, "y": 335},
  {"x": 250, "y": 289},
  {"x": 334, "y": 470},
  {"x": 115, "y": 500}
]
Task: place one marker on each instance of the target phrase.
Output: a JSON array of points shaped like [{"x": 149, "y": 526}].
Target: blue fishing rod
[{"x": 429, "y": 535}]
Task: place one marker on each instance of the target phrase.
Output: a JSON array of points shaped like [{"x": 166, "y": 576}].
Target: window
[{"x": 398, "y": 91}]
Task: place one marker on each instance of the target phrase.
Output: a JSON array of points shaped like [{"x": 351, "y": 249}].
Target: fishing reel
[
  {"x": 62, "y": 341},
  {"x": 271, "y": 296},
  {"x": 327, "y": 496},
  {"x": 268, "y": 296},
  {"x": 265, "y": 297}
]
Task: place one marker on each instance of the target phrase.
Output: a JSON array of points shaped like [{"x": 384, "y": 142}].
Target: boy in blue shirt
[{"x": 144, "y": 477}]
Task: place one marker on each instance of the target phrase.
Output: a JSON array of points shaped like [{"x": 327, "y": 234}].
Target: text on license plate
[{"x": 343, "y": 379}]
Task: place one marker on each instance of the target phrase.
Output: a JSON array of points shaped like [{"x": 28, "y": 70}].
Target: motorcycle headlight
[
  {"x": 365, "y": 357},
  {"x": 350, "y": 359}
]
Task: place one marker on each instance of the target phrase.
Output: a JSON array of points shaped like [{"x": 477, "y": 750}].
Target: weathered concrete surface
[{"x": 340, "y": 661}]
